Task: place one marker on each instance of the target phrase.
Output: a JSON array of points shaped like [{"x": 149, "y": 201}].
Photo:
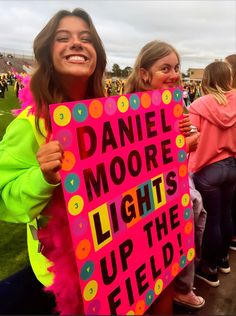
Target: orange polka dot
[
  {"x": 68, "y": 161},
  {"x": 178, "y": 110},
  {"x": 140, "y": 307},
  {"x": 83, "y": 249},
  {"x": 175, "y": 269},
  {"x": 145, "y": 100},
  {"x": 183, "y": 170},
  {"x": 95, "y": 109},
  {"x": 188, "y": 228}
]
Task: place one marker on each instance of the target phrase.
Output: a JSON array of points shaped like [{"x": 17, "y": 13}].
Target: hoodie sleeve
[
  {"x": 208, "y": 108},
  {"x": 194, "y": 115},
  {"x": 24, "y": 191}
]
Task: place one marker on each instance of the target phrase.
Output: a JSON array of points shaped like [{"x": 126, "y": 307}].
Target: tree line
[{"x": 118, "y": 72}]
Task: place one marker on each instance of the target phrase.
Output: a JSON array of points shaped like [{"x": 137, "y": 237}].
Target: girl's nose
[
  {"x": 76, "y": 44},
  {"x": 174, "y": 74}
]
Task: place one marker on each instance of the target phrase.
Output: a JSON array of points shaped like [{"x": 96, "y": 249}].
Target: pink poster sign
[{"x": 125, "y": 184}]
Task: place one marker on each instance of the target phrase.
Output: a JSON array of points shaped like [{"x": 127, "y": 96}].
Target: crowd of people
[
  {"x": 114, "y": 87},
  {"x": 71, "y": 62},
  {"x": 4, "y": 81},
  {"x": 191, "y": 89},
  {"x": 9, "y": 79}
]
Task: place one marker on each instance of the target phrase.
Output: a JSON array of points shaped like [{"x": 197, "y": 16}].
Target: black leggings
[
  {"x": 216, "y": 183},
  {"x": 22, "y": 293}
]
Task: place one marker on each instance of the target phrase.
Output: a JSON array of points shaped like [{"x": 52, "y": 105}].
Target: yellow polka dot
[
  {"x": 90, "y": 290},
  {"x": 185, "y": 199},
  {"x": 180, "y": 141},
  {"x": 62, "y": 115},
  {"x": 191, "y": 254},
  {"x": 75, "y": 205},
  {"x": 123, "y": 104},
  {"x": 166, "y": 97},
  {"x": 158, "y": 286}
]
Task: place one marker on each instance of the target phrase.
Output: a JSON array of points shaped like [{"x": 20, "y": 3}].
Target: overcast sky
[{"x": 201, "y": 31}]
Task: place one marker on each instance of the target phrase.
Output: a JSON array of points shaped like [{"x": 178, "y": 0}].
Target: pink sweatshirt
[{"x": 217, "y": 126}]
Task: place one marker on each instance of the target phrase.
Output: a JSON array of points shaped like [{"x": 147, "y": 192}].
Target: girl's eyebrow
[
  {"x": 67, "y": 31},
  {"x": 169, "y": 65},
  {"x": 165, "y": 65}
]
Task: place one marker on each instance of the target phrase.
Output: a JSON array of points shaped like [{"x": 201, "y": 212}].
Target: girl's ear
[{"x": 144, "y": 75}]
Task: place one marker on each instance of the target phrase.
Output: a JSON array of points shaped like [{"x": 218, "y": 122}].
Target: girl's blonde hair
[
  {"x": 149, "y": 54},
  {"x": 44, "y": 85},
  {"x": 217, "y": 80}
]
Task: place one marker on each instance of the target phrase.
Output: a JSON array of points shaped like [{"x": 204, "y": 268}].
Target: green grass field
[
  {"x": 6, "y": 105},
  {"x": 13, "y": 248}
]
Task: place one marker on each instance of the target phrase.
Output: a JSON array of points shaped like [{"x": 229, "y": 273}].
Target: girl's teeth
[{"x": 76, "y": 58}]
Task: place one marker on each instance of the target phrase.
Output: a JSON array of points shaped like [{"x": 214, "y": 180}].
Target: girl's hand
[
  {"x": 50, "y": 157},
  {"x": 192, "y": 141},
  {"x": 185, "y": 125}
]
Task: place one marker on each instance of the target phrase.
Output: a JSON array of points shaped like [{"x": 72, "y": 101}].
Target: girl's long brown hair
[{"x": 44, "y": 86}]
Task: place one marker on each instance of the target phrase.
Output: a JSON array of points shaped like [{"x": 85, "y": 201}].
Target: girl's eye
[
  {"x": 165, "y": 69},
  {"x": 62, "y": 39},
  {"x": 177, "y": 68},
  {"x": 86, "y": 40}
]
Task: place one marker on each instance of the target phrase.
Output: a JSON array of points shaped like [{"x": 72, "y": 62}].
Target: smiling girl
[
  {"x": 158, "y": 67},
  {"x": 70, "y": 61}
]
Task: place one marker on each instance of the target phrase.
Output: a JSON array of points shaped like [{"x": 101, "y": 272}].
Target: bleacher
[{"x": 15, "y": 62}]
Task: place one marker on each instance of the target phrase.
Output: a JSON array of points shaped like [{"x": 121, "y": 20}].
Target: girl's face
[
  {"x": 73, "y": 53},
  {"x": 164, "y": 73}
]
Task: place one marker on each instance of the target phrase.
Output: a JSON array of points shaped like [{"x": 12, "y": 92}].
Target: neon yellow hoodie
[{"x": 24, "y": 191}]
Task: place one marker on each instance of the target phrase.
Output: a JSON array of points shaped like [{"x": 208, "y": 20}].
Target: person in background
[
  {"x": 71, "y": 61},
  {"x": 231, "y": 60},
  {"x": 186, "y": 97},
  {"x": 2, "y": 88},
  {"x": 157, "y": 66},
  {"x": 192, "y": 91},
  {"x": 214, "y": 166},
  {"x": 198, "y": 90},
  {"x": 17, "y": 87}
]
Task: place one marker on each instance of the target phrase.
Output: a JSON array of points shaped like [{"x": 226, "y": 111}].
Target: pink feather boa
[
  {"x": 25, "y": 96},
  {"x": 56, "y": 240},
  {"x": 58, "y": 248}
]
